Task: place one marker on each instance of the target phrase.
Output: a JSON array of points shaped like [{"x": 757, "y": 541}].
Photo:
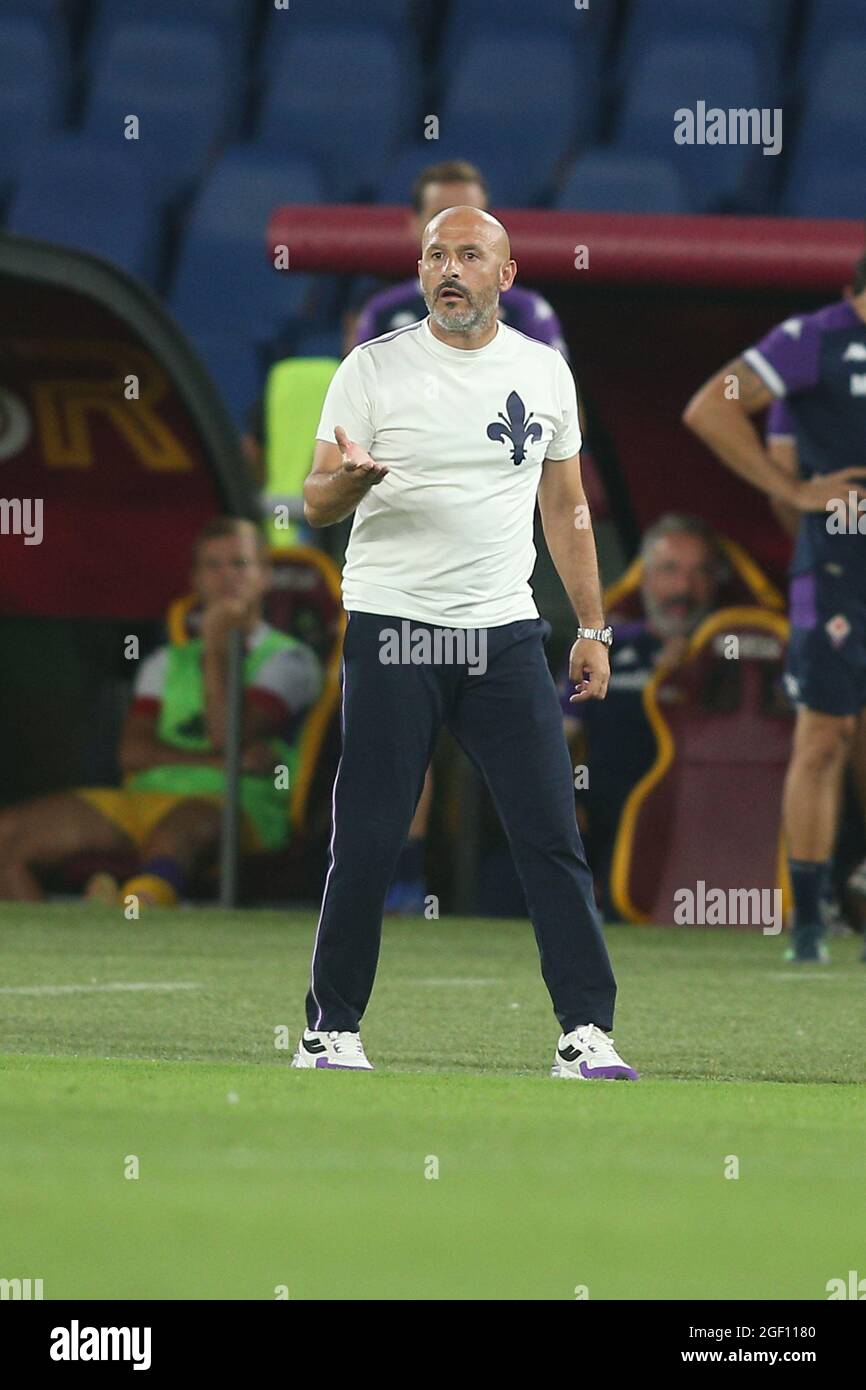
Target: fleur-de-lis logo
[{"x": 517, "y": 426}]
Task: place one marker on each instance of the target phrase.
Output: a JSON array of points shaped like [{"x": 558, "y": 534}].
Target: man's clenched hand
[{"x": 589, "y": 668}]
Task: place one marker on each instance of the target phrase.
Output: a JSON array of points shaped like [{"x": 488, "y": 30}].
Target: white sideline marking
[
  {"x": 442, "y": 984},
  {"x": 98, "y": 989}
]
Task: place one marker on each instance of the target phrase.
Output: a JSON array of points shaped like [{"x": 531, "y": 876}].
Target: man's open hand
[
  {"x": 357, "y": 462},
  {"x": 815, "y": 494},
  {"x": 589, "y": 668}
]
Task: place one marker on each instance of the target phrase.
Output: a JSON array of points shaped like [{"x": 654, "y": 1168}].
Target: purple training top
[
  {"x": 817, "y": 364},
  {"x": 525, "y": 310}
]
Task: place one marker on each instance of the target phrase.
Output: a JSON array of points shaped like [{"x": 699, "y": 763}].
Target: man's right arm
[
  {"x": 142, "y": 748},
  {"x": 722, "y": 420},
  {"x": 341, "y": 476},
  {"x": 783, "y": 452},
  {"x": 719, "y": 414}
]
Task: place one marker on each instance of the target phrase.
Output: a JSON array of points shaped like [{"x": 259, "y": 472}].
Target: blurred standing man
[
  {"x": 468, "y": 421},
  {"x": 440, "y": 186},
  {"x": 817, "y": 362}
]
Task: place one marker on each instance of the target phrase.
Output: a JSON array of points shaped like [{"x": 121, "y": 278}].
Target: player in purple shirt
[
  {"x": 847, "y": 878},
  {"x": 817, "y": 363},
  {"x": 451, "y": 183}
]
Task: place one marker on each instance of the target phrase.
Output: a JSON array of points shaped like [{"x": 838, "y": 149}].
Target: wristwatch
[{"x": 596, "y": 634}]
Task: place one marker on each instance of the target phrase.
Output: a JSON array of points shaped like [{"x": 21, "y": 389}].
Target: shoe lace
[
  {"x": 594, "y": 1040},
  {"x": 346, "y": 1044}
]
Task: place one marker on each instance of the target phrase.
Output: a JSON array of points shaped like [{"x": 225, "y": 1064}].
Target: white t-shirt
[{"x": 447, "y": 537}]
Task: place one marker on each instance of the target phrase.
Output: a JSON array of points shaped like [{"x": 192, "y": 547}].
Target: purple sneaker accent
[
  {"x": 325, "y": 1065},
  {"x": 622, "y": 1073},
  {"x": 588, "y": 1053}
]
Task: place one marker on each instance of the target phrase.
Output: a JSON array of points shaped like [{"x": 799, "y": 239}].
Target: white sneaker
[
  {"x": 331, "y": 1051},
  {"x": 588, "y": 1054}
]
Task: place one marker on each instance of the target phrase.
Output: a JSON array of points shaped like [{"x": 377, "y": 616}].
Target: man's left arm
[
  {"x": 260, "y": 721},
  {"x": 568, "y": 532},
  {"x": 220, "y": 619},
  {"x": 285, "y": 687}
]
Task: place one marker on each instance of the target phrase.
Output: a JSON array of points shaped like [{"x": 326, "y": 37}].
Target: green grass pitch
[{"x": 256, "y": 1181}]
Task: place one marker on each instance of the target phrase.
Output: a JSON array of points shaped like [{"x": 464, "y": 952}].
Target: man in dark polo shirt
[{"x": 683, "y": 566}]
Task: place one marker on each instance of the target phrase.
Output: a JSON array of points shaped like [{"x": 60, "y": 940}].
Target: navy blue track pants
[{"x": 508, "y": 721}]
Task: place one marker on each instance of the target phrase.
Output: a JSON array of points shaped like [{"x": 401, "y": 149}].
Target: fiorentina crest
[{"x": 517, "y": 426}]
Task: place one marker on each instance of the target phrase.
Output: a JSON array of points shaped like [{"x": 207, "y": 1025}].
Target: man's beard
[
  {"x": 473, "y": 314},
  {"x": 669, "y": 624}
]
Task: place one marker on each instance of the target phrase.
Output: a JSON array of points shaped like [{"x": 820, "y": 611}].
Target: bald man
[
  {"x": 439, "y": 437},
  {"x": 439, "y": 186}
]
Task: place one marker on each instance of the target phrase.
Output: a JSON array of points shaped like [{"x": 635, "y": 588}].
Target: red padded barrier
[
  {"x": 784, "y": 253},
  {"x": 708, "y": 809}
]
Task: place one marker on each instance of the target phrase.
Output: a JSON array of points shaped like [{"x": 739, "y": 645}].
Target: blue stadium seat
[
  {"x": 42, "y": 9},
  {"x": 610, "y": 181},
  {"x": 837, "y": 92},
  {"x": 392, "y": 14},
  {"x": 680, "y": 73},
  {"x": 833, "y": 118},
  {"x": 829, "y": 22},
  {"x": 763, "y": 23},
  {"x": 350, "y": 123},
  {"x": 176, "y": 78},
  {"x": 33, "y": 87},
  {"x": 820, "y": 192},
  {"x": 496, "y": 165},
  {"x": 230, "y": 20},
  {"x": 529, "y": 97},
  {"x": 231, "y": 15},
  {"x": 236, "y": 368},
  {"x": 319, "y": 342},
  {"x": 548, "y": 19},
  {"x": 224, "y": 280},
  {"x": 91, "y": 198}
]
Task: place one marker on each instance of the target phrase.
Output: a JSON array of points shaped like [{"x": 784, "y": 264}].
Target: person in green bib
[{"x": 172, "y": 745}]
